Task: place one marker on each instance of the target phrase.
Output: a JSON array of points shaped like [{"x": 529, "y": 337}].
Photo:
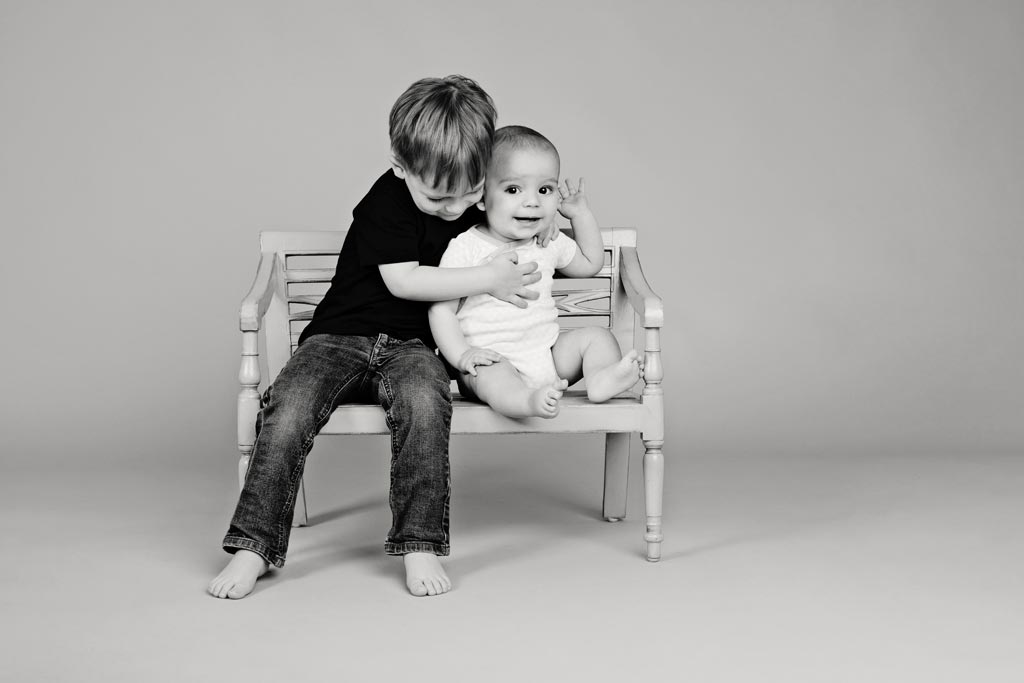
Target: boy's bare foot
[
  {"x": 239, "y": 577},
  {"x": 424, "y": 575},
  {"x": 544, "y": 401},
  {"x": 616, "y": 378}
]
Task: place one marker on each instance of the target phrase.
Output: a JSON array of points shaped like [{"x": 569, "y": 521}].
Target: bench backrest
[{"x": 304, "y": 264}]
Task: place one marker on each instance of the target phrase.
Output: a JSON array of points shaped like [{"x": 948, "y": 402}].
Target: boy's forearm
[{"x": 428, "y": 283}]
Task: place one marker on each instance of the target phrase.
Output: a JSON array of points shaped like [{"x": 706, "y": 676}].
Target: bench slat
[{"x": 310, "y": 275}]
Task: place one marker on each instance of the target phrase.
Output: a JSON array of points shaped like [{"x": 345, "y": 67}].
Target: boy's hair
[
  {"x": 442, "y": 130},
  {"x": 521, "y": 137}
]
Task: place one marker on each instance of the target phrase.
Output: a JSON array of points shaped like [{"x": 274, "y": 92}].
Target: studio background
[{"x": 827, "y": 196}]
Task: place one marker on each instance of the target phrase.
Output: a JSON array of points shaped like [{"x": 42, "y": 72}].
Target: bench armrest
[
  {"x": 255, "y": 303},
  {"x": 642, "y": 298}
]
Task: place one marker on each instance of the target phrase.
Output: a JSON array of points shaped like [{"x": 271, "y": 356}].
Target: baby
[{"x": 515, "y": 359}]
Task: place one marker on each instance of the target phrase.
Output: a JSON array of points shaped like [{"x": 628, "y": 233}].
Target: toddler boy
[{"x": 369, "y": 340}]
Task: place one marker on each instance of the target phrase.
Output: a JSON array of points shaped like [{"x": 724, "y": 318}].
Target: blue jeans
[{"x": 412, "y": 385}]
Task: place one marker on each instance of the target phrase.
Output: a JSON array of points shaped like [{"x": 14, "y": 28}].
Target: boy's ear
[
  {"x": 480, "y": 205},
  {"x": 396, "y": 166}
]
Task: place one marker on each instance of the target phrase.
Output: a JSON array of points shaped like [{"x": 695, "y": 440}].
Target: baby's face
[{"x": 521, "y": 193}]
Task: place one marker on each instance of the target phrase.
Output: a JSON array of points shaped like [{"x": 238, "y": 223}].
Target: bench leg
[
  {"x": 243, "y": 467},
  {"x": 616, "y": 476},
  {"x": 654, "y": 481},
  {"x": 300, "y": 518}
]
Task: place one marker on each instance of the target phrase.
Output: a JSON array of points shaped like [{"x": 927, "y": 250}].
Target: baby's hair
[
  {"x": 442, "y": 130},
  {"x": 521, "y": 137}
]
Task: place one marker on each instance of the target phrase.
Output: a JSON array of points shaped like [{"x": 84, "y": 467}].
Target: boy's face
[
  {"x": 438, "y": 201},
  {"x": 521, "y": 193}
]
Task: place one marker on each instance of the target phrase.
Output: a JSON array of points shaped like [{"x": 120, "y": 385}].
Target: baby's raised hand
[
  {"x": 475, "y": 356},
  {"x": 573, "y": 201}
]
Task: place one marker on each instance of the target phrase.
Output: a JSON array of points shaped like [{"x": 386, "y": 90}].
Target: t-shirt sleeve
[
  {"x": 456, "y": 255},
  {"x": 566, "y": 249},
  {"x": 386, "y": 231}
]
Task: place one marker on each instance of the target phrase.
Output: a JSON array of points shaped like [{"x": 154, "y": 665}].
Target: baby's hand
[
  {"x": 574, "y": 202},
  {"x": 476, "y": 356}
]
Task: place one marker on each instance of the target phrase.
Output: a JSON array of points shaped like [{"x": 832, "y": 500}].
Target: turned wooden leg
[
  {"x": 301, "y": 518},
  {"x": 654, "y": 481},
  {"x": 248, "y": 402},
  {"x": 654, "y": 439},
  {"x": 616, "y": 475},
  {"x": 243, "y": 467}
]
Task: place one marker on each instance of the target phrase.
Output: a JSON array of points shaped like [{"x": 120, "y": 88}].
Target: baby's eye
[
  {"x": 512, "y": 189},
  {"x": 547, "y": 189}
]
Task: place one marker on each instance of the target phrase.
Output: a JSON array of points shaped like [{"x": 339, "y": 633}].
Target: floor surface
[{"x": 818, "y": 567}]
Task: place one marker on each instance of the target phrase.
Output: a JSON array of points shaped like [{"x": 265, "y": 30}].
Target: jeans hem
[
  {"x": 234, "y": 543},
  {"x": 439, "y": 549}
]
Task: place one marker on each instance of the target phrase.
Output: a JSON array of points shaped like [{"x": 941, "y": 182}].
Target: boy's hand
[
  {"x": 476, "y": 356},
  {"x": 545, "y": 237},
  {"x": 574, "y": 201},
  {"x": 510, "y": 279}
]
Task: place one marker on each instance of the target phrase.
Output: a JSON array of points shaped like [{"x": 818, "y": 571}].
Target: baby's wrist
[{"x": 583, "y": 214}]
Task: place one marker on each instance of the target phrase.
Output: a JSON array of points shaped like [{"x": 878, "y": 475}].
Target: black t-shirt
[{"x": 386, "y": 228}]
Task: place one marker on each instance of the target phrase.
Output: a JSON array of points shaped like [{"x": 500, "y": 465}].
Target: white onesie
[{"x": 522, "y": 335}]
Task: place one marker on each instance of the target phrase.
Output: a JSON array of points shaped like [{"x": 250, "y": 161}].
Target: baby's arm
[
  {"x": 589, "y": 258},
  {"x": 444, "y": 325},
  {"x": 503, "y": 278}
]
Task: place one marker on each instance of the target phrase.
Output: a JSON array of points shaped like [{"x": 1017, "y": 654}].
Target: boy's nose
[
  {"x": 458, "y": 206},
  {"x": 530, "y": 199}
]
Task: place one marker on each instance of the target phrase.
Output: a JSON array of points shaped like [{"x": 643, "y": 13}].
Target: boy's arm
[
  {"x": 589, "y": 258},
  {"x": 444, "y": 325},
  {"x": 503, "y": 278}
]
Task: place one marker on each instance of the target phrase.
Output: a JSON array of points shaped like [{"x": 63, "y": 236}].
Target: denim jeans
[{"x": 412, "y": 385}]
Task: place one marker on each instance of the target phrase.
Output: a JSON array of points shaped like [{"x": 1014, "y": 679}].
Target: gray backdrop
[{"x": 828, "y": 195}]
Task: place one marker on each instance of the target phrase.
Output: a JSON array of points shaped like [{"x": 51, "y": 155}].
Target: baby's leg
[
  {"x": 501, "y": 387},
  {"x": 594, "y": 352}
]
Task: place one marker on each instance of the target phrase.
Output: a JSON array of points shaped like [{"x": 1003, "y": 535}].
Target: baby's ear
[
  {"x": 396, "y": 165},
  {"x": 480, "y": 205}
]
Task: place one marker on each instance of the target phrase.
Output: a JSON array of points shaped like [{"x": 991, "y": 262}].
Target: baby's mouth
[{"x": 527, "y": 219}]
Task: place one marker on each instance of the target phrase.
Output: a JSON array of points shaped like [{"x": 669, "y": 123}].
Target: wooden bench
[{"x": 294, "y": 271}]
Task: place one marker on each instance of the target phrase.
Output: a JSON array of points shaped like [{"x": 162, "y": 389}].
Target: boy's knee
[
  {"x": 286, "y": 421},
  {"x": 429, "y": 396}
]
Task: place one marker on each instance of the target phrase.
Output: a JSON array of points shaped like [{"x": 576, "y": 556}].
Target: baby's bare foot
[
  {"x": 615, "y": 378},
  {"x": 544, "y": 401},
  {"x": 424, "y": 575},
  {"x": 239, "y": 577}
]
